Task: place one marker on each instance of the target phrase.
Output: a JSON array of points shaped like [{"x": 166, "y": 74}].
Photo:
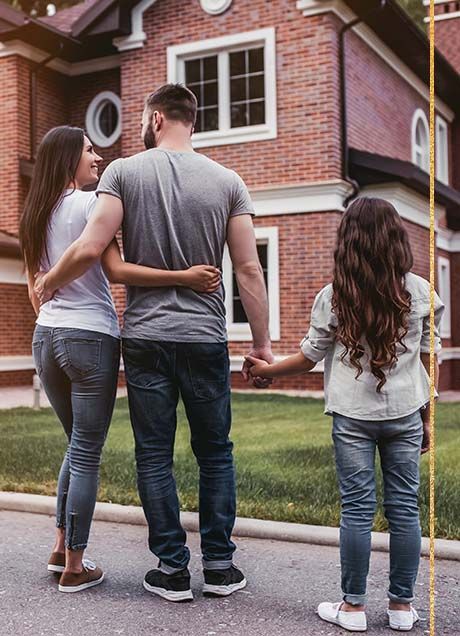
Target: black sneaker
[
  {"x": 172, "y": 587},
  {"x": 223, "y": 582}
]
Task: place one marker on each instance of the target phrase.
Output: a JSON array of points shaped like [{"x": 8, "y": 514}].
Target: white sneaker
[
  {"x": 401, "y": 620},
  {"x": 352, "y": 621}
]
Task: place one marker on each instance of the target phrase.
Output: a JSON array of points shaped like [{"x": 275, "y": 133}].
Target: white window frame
[
  {"x": 92, "y": 119},
  {"x": 222, "y": 46},
  {"x": 418, "y": 116},
  {"x": 241, "y": 331},
  {"x": 444, "y": 294},
  {"x": 442, "y": 150}
]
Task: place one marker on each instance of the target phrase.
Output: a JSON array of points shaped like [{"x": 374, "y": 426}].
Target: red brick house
[{"x": 308, "y": 111}]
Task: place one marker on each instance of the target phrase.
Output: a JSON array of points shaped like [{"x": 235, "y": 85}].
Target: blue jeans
[
  {"x": 399, "y": 442},
  {"x": 79, "y": 372},
  {"x": 156, "y": 373}
]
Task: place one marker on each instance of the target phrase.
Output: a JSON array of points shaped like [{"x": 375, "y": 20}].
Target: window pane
[
  {"x": 237, "y": 63},
  {"x": 256, "y": 60},
  {"x": 238, "y": 90},
  {"x": 210, "y": 119},
  {"x": 108, "y": 119},
  {"x": 196, "y": 90},
  {"x": 210, "y": 94},
  {"x": 192, "y": 71},
  {"x": 256, "y": 113},
  {"x": 256, "y": 86},
  {"x": 239, "y": 115},
  {"x": 210, "y": 67},
  {"x": 239, "y": 315}
]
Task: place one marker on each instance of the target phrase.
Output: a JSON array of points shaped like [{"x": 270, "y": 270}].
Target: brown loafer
[
  {"x": 88, "y": 577},
  {"x": 56, "y": 562}
]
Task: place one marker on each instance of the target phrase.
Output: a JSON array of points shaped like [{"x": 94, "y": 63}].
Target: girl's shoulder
[{"x": 417, "y": 286}]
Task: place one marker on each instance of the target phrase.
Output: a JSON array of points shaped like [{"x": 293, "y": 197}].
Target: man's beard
[{"x": 149, "y": 138}]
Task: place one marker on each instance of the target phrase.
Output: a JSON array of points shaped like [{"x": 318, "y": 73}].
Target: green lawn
[{"x": 283, "y": 454}]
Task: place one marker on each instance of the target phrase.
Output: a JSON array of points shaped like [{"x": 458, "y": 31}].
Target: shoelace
[{"x": 88, "y": 564}]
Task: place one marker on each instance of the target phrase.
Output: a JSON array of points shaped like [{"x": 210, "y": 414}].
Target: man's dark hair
[{"x": 175, "y": 101}]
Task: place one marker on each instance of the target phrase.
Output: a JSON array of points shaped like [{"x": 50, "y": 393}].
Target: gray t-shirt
[{"x": 176, "y": 209}]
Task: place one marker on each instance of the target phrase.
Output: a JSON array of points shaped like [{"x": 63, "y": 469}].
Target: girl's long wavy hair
[
  {"x": 56, "y": 165},
  {"x": 371, "y": 303}
]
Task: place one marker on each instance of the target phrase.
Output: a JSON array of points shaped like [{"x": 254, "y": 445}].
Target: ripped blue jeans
[{"x": 79, "y": 371}]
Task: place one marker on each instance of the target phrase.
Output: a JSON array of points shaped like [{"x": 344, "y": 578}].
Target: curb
[{"x": 250, "y": 528}]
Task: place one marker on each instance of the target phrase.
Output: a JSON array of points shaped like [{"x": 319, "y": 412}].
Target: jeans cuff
[
  {"x": 216, "y": 565},
  {"x": 355, "y": 599},
  {"x": 168, "y": 569},
  {"x": 76, "y": 546},
  {"x": 404, "y": 600}
]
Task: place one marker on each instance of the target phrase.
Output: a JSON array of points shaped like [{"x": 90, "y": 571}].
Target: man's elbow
[{"x": 249, "y": 269}]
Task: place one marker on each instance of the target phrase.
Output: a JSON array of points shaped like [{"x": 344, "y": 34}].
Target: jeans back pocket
[
  {"x": 83, "y": 354},
  {"x": 37, "y": 346}
]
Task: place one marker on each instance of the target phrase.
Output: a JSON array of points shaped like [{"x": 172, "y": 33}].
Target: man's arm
[
  {"x": 243, "y": 253},
  {"x": 86, "y": 250}
]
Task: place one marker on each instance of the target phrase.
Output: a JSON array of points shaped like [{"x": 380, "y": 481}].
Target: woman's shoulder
[{"x": 417, "y": 286}]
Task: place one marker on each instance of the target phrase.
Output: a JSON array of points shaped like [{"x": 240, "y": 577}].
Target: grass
[{"x": 283, "y": 456}]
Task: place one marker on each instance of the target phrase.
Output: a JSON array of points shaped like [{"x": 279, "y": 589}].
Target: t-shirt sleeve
[
  {"x": 110, "y": 182},
  {"x": 321, "y": 335},
  {"x": 90, "y": 205},
  {"x": 425, "y": 340},
  {"x": 241, "y": 201}
]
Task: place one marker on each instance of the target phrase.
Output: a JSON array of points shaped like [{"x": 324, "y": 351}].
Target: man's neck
[{"x": 177, "y": 145}]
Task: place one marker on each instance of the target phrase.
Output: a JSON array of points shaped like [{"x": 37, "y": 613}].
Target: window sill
[{"x": 233, "y": 136}]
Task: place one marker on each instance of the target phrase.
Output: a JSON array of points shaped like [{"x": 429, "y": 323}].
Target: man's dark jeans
[{"x": 156, "y": 373}]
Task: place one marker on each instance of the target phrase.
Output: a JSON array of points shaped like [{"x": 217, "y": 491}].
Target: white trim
[
  {"x": 442, "y": 150},
  {"x": 12, "y": 271},
  {"x": 420, "y": 117},
  {"x": 444, "y": 288},
  {"x": 236, "y": 363},
  {"x": 137, "y": 37},
  {"x": 241, "y": 331},
  {"x": 16, "y": 47},
  {"x": 215, "y": 7},
  {"x": 315, "y": 7},
  {"x": 426, "y": 3},
  {"x": 92, "y": 119},
  {"x": 449, "y": 353},
  {"x": 448, "y": 240},
  {"x": 444, "y": 16},
  {"x": 177, "y": 54},
  {"x": 16, "y": 363},
  {"x": 323, "y": 196}
]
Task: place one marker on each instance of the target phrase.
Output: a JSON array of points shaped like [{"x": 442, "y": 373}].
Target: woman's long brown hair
[
  {"x": 56, "y": 165},
  {"x": 370, "y": 300}
]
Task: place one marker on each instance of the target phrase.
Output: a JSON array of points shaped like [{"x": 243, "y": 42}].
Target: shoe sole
[
  {"x": 349, "y": 628},
  {"x": 223, "y": 590},
  {"x": 81, "y": 587},
  {"x": 399, "y": 628},
  {"x": 55, "y": 568},
  {"x": 169, "y": 595}
]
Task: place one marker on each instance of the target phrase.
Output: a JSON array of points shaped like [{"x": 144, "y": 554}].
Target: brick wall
[
  {"x": 17, "y": 319},
  {"x": 447, "y": 35}
]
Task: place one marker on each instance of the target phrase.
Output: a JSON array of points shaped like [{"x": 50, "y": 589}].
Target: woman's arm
[
  {"x": 32, "y": 295},
  {"x": 296, "y": 364},
  {"x": 200, "y": 278},
  {"x": 426, "y": 443}
]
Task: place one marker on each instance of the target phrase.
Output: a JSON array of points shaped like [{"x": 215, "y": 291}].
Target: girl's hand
[
  {"x": 202, "y": 278},
  {"x": 426, "y": 442},
  {"x": 258, "y": 367}
]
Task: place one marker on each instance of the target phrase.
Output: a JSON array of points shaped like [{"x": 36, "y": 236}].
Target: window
[
  {"x": 103, "y": 119},
  {"x": 442, "y": 151},
  {"x": 444, "y": 294},
  {"x": 237, "y": 322},
  {"x": 233, "y": 78},
  {"x": 420, "y": 140}
]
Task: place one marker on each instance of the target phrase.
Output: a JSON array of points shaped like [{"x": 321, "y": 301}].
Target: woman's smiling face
[{"x": 88, "y": 166}]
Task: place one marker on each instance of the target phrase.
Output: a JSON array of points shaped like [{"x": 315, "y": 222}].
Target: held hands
[
  {"x": 202, "y": 278},
  {"x": 43, "y": 294},
  {"x": 254, "y": 363}
]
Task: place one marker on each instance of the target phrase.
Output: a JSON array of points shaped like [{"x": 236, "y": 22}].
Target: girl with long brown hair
[
  {"x": 76, "y": 343},
  {"x": 372, "y": 328}
]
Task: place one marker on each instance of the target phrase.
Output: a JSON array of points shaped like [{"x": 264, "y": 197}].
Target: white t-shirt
[{"x": 85, "y": 303}]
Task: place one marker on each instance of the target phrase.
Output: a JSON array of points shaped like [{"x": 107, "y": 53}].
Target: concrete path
[{"x": 286, "y": 582}]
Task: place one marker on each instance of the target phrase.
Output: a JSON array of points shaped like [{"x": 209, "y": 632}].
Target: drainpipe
[
  {"x": 343, "y": 105},
  {"x": 33, "y": 100}
]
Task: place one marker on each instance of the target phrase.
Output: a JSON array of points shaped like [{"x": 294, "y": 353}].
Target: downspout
[
  {"x": 33, "y": 100},
  {"x": 343, "y": 106}
]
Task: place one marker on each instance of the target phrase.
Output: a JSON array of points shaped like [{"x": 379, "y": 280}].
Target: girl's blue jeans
[
  {"x": 79, "y": 372},
  {"x": 399, "y": 443}
]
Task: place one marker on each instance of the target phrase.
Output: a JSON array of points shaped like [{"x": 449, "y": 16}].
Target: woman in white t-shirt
[{"x": 76, "y": 344}]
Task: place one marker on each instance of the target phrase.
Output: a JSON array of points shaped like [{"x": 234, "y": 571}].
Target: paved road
[{"x": 286, "y": 582}]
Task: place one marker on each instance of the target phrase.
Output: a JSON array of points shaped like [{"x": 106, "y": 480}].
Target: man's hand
[
  {"x": 262, "y": 353},
  {"x": 40, "y": 289}
]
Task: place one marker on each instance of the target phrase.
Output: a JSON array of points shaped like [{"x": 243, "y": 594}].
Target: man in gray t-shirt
[{"x": 177, "y": 209}]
